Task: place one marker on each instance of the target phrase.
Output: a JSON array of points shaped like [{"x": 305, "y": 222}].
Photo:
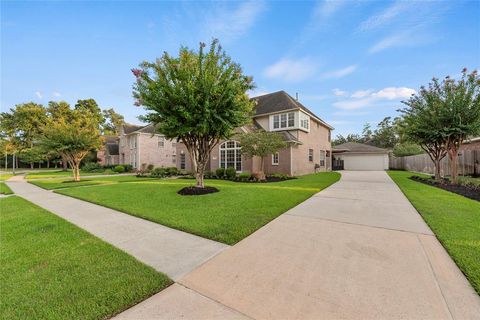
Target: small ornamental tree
[
  {"x": 421, "y": 124},
  {"x": 460, "y": 112},
  {"x": 261, "y": 144},
  {"x": 198, "y": 98},
  {"x": 72, "y": 138}
]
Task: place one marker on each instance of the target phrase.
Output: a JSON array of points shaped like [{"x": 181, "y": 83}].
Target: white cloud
[
  {"x": 39, "y": 94},
  {"x": 340, "y": 73},
  {"x": 394, "y": 93},
  {"x": 365, "y": 98},
  {"x": 386, "y": 16},
  {"x": 396, "y": 40},
  {"x": 339, "y": 93},
  {"x": 56, "y": 94},
  {"x": 361, "y": 94},
  {"x": 228, "y": 25},
  {"x": 327, "y": 8},
  {"x": 291, "y": 70}
]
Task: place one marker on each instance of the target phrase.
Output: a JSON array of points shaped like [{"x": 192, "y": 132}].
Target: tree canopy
[{"x": 198, "y": 97}]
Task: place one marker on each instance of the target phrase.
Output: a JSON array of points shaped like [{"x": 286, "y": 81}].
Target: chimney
[{"x": 296, "y": 96}]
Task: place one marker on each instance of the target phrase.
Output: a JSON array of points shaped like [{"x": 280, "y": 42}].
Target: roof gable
[{"x": 281, "y": 101}]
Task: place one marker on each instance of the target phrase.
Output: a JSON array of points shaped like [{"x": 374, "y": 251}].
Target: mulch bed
[
  {"x": 468, "y": 192},
  {"x": 194, "y": 191}
]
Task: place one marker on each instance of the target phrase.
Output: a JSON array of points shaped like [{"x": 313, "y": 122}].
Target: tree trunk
[
  {"x": 31, "y": 165},
  {"x": 453, "y": 155},
  {"x": 437, "y": 169},
  {"x": 48, "y": 164},
  {"x": 76, "y": 172},
  {"x": 6, "y": 162},
  {"x": 14, "y": 158},
  {"x": 65, "y": 164}
]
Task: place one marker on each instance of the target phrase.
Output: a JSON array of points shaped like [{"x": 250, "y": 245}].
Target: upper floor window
[
  {"x": 133, "y": 142},
  {"x": 305, "y": 123},
  {"x": 161, "y": 142},
  {"x": 310, "y": 154},
  {"x": 284, "y": 120}
]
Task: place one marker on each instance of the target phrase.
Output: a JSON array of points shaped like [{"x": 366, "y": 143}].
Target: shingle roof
[
  {"x": 358, "y": 147},
  {"x": 111, "y": 139},
  {"x": 280, "y": 101},
  {"x": 149, "y": 128},
  {"x": 129, "y": 128}
]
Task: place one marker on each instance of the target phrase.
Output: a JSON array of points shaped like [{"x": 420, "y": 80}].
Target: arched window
[{"x": 231, "y": 155}]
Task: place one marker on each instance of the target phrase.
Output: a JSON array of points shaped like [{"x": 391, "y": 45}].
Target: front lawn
[
  {"x": 227, "y": 216},
  {"x": 60, "y": 173},
  {"x": 5, "y": 176},
  {"x": 4, "y": 189},
  {"x": 50, "y": 269},
  {"x": 51, "y": 184},
  {"x": 454, "y": 219}
]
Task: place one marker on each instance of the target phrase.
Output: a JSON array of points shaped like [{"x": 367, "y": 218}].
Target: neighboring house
[
  {"x": 359, "y": 156},
  {"x": 308, "y": 137},
  {"x": 142, "y": 145},
  {"x": 471, "y": 144},
  {"x": 108, "y": 154}
]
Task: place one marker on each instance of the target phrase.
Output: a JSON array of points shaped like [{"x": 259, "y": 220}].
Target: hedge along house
[
  {"x": 308, "y": 137},
  {"x": 143, "y": 145}
]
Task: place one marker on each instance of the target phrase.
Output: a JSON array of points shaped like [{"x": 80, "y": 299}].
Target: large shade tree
[{"x": 199, "y": 98}]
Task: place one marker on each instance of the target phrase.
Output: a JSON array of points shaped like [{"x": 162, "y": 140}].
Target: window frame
[
  {"x": 182, "y": 161},
  {"x": 275, "y": 159},
  {"x": 230, "y": 152},
  {"x": 161, "y": 142},
  {"x": 310, "y": 155}
]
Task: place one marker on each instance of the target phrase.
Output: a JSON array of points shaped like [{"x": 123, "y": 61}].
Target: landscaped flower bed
[{"x": 467, "y": 190}]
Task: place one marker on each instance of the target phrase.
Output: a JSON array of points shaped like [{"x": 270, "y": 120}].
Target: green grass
[
  {"x": 454, "y": 219},
  {"x": 60, "y": 183},
  {"x": 60, "y": 174},
  {"x": 53, "y": 270},
  {"x": 227, "y": 216},
  {"x": 5, "y": 176},
  {"x": 4, "y": 189}
]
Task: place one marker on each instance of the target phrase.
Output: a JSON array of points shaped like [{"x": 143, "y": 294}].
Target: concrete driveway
[{"x": 357, "y": 250}]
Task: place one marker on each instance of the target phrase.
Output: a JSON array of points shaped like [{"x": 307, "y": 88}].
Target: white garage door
[{"x": 371, "y": 162}]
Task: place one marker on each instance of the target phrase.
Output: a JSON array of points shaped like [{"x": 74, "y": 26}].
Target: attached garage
[{"x": 358, "y": 156}]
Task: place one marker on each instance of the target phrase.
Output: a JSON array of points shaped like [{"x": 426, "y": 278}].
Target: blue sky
[{"x": 351, "y": 62}]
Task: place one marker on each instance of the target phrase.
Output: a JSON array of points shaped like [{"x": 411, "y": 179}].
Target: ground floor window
[
  {"x": 182, "y": 161},
  {"x": 275, "y": 159},
  {"x": 310, "y": 154},
  {"x": 322, "y": 158},
  {"x": 231, "y": 155}
]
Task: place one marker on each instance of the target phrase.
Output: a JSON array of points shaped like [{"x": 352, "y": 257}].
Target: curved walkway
[
  {"x": 356, "y": 250},
  {"x": 170, "y": 251}
]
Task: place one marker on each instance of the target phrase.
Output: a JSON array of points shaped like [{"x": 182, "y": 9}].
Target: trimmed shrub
[
  {"x": 158, "y": 172},
  {"x": 244, "y": 176},
  {"x": 150, "y": 167},
  {"x": 119, "y": 169},
  {"x": 220, "y": 173},
  {"x": 92, "y": 167},
  {"x": 208, "y": 175},
  {"x": 279, "y": 176},
  {"x": 171, "y": 171},
  {"x": 230, "y": 173},
  {"x": 128, "y": 167}
]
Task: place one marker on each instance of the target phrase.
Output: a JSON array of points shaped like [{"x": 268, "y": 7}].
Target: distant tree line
[{"x": 28, "y": 130}]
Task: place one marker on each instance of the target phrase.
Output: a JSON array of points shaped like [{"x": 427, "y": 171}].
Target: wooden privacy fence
[{"x": 468, "y": 163}]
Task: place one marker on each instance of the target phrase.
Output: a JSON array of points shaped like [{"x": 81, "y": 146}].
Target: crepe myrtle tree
[
  {"x": 198, "y": 98},
  {"x": 460, "y": 112},
  {"x": 261, "y": 144},
  {"x": 72, "y": 137}
]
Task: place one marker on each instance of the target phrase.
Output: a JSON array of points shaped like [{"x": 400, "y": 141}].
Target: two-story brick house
[
  {"x": 142, "y": 145},
  {"x": 307, "y": 135}
]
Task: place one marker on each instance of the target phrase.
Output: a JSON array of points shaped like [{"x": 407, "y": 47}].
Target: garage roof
[{"x": 353, "y": 147}]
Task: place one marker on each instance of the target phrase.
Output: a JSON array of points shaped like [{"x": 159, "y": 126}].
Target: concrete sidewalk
[
  {"x": 170, "y": 251},
  {"x": 357, "y": 250}
]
